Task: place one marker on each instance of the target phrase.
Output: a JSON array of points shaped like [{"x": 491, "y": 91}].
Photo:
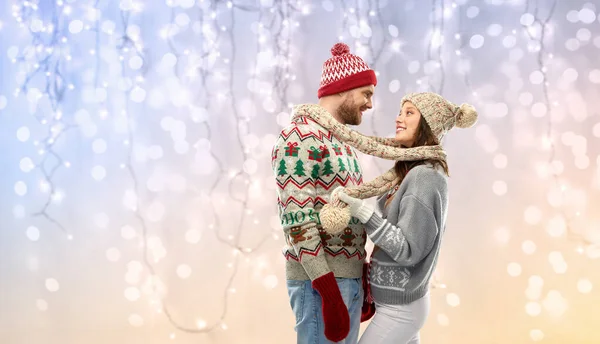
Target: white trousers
[{"x": 397, "y": 324}]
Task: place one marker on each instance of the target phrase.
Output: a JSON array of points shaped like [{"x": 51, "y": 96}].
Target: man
[{"x": 324, "y": 271}]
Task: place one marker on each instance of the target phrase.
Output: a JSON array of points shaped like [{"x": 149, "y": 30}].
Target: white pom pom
[
  {"x": 334, "y": 219},
  {"x": 466, "y": 116}
]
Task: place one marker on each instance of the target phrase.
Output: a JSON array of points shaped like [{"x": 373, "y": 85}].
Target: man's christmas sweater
[{"x": 309, "y": 162}]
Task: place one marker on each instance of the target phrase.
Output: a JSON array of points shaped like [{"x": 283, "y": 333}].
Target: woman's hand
[{"x": 358, "y": 207}]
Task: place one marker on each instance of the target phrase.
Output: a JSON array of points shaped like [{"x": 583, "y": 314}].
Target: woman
[{"x": 408, "y": 234}]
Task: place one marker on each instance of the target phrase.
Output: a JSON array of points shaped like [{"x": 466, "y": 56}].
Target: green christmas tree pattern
[
  {"x": 341, "y": 165},
  {"x": 315, "y": 171},
  {"x": 281, "y": 170},
  {"x": 356, "y": 169},
  {"x": 327, "y": 170},
  {"x": 299, "y": 169}
]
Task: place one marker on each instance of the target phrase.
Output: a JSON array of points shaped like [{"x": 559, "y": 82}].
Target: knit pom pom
[
  {"x": 334, "y": 219},
  {"x": 466, "y": 116},
  {"x": 340, "y": 49}
]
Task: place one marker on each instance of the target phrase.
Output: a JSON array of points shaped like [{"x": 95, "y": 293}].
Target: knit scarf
[{"x": 335, "y": 215}]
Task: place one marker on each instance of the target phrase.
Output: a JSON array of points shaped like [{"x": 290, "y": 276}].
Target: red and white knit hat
[{"x": 344, "y": 71}]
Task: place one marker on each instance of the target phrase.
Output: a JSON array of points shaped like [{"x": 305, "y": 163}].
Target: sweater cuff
[
  {"x": 364, "y": 213},
  {"x": 374, "y": 222}
]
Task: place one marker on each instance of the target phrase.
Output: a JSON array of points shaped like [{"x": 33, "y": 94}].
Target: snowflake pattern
[
  {"x": 393, "y": 235},
  {"x": 393, "y": 277},
  {"x": 404, "y": 277},
  {"x": 377, "y": 274}
]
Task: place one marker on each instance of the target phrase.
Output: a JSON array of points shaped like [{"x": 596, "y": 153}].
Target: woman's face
[{"x": 407, "y": 124}]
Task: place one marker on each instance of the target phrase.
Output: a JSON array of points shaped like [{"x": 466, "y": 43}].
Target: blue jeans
[{"x": 306, "y": 304}]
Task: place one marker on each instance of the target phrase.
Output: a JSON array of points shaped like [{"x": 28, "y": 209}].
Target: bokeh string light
[
  {"x": 537, "y": 28},
  {"x": 45, "y": 57},
  {"x": 464, "y": 62},
  {"x": 96, "y": 29},
  {"x": 436, "y": 42},
  {"x": 129, "y": 46},
  {"x": 569, "y": 223},
  {"x": 274, "y": 29},
  {"x": 281, "y": 25},
  {"x": 281, "y": 17},
  {"x": 218, "y": 31},
  {"x": 125, "y": 48},
  {"x": 201, "y": 64}
]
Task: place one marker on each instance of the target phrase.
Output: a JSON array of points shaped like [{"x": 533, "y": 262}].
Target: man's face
[{"x": 354, "y": 103}]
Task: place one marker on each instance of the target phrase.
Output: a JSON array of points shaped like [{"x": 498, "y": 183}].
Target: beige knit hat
[{"x": 440, "y": 114}]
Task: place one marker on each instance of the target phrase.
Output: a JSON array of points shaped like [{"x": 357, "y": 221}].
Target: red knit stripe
[
  {"x": 341, "y": 67},
  {"x": 361, "y": 79},
  {"x": 311, "y": 134}
]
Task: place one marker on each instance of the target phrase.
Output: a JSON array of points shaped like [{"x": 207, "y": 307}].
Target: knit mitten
[
  {"x": 368, "y": 307},
  {"x": 335, "y": 312},
  {"x": 358, "y": 207}
]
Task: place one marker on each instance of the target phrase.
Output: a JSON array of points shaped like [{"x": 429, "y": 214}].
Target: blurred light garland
[
  {"x": 461, "y": 37},
  {"x": 437, "y": 30},
  {"x": 281, "y": 25},
  {"x": 436, "y": 42},
  {"x": 210, "y": 49},
  {"x": 126, "y": 42},
  {"x": 541, "y": 57},
  {"x": 46, "y": 54}
]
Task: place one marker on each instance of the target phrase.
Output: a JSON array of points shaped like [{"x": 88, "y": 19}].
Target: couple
[{"x": 331, "y": 287}]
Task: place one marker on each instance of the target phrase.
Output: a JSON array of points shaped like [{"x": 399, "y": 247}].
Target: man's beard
[{"x": 350, "y": 113}]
